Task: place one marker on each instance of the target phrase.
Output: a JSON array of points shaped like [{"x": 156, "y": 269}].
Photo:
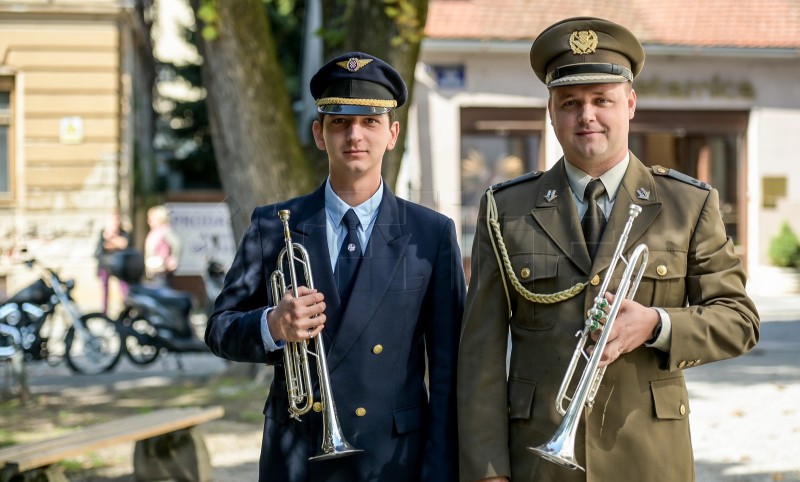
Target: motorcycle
[
  {"x": 92, "y": 343},
  {"x": 153, "y": 319}
]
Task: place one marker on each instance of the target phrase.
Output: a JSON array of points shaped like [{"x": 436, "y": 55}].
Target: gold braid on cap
[
  {"x": 348, "y": 101},
  {"x": 504, "y": 262}
]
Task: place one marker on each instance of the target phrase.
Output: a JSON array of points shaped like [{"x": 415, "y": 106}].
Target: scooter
[
  {"x": 92, "y": 343},
  {"x": 153, "y": 319}
]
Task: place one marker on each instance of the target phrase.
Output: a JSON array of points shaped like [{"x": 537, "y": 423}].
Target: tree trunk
[{"x": 259, "y": 157}]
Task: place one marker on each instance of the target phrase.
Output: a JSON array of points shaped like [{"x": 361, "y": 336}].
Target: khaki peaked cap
[{"x": 586, "y": 50}]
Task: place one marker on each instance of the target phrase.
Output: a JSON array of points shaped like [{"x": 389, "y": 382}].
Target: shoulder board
[
  {"x": 663, "y": 171},
  {"x": 517, "y": 180}
]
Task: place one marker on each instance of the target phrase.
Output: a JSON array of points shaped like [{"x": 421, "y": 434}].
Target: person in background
[
  {"x": 162, "y": 247},
  {"x": 113, "y": 239},
  {"x": 544, "y": 245},
  {"x": 387, "y": 301}
]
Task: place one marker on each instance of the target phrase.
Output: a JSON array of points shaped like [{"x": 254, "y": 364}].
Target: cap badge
[
  {"x": 643, "y": 193},
  {"x": 353, "y": 64},
  {"x": 583, "y": 42},
  {"x": 550, "y": 195}
]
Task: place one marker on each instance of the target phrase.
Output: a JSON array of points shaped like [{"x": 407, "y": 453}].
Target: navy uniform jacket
[
  {"x": 638, "y": 428},
  {"x": 406, "y": 307}
]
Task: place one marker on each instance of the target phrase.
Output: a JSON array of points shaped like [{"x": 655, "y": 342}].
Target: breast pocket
[
  {"x": 403, "y": 283},
  {"x": 537, "y": 273},
  {"x": 663, "y": 281}
]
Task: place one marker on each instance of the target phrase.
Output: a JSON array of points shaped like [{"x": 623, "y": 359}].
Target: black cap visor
[{"x": 343, "y": 109}]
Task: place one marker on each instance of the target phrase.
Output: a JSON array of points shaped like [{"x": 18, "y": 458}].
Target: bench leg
[
  {"x": 180, "y": 456},
  {"x": 44, "y": 474}
]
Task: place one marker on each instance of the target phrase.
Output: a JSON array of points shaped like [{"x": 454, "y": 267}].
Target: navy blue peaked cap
[{"x": 356, "y": 83}]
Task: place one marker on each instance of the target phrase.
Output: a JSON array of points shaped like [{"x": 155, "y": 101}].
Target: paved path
[{"x": 745, "y": 413}]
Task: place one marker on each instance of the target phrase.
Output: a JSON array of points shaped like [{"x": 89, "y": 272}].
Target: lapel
[
  {"x": 309, "y": 229},
  {"x": 383, "y": 256},
  {"x": 637, "y": 176},
  {"x": 559, "y": 217}
]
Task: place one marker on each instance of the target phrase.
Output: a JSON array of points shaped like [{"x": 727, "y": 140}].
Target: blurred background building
[{"x": 718, "y": 99}]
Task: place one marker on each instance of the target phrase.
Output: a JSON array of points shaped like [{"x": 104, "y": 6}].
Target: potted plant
[{"x": 784, "y": 254}]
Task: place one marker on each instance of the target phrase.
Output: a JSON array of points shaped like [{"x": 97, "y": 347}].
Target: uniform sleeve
[
  {"x": 444, "y": 308},
  {"x": 482, "y": 385},
  {"x": 233, "y": 331},
  {"x": 719, "y": 321}
]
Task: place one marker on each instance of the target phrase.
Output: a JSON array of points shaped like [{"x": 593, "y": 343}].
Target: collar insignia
[
  {"x": 583, "y": 42},
  {"x": 550, "y": 195},
  {"x": 643, "y": 193},
  {"x": 353, "y": 64}
]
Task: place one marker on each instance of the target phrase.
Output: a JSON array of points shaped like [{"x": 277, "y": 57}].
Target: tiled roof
[{"x": 701, "y": 23}]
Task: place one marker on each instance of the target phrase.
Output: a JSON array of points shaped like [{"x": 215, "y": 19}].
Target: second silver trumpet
[
  {"x": 560, "y": 449},
  {"x": 296, "y": 355}
]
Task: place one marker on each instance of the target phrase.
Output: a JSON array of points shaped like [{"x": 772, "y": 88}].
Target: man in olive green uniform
[{"x": 536, "y": 274}]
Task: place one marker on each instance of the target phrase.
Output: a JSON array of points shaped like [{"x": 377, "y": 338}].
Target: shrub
[{"x": 784, "y": 248}]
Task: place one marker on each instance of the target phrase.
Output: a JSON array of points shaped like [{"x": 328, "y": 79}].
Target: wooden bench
[{"x": 167, "y": 447}]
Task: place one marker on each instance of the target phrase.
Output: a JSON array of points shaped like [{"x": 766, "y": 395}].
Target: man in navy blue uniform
[{"x": 385, "y": 327}]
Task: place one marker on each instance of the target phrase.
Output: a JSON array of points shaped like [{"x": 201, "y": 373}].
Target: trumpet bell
[
  {"x": 334, "y": 448},
  {"x": 558, "y": 451}
]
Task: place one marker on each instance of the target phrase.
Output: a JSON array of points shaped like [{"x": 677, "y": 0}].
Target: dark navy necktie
[
  {"x": 349, "y": 256},
  {"x": 594, "y": 222}
]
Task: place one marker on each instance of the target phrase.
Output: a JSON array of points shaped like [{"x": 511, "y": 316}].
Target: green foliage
[
  {"x": 784, "y": 248},
  {"x": 334, "y": 31},
  {"x": 207, "y": 12},
  {"x": 405, "y": 15},
  {"x": 184, "y": 130}
]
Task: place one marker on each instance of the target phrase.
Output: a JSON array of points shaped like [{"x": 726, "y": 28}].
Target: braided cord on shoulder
[
  {"x": 504, "y": 262},
  {"x": 491, "y": 222}
]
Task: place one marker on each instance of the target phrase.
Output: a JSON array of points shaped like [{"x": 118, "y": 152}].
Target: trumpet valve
[{"x": 596, "y": 315}]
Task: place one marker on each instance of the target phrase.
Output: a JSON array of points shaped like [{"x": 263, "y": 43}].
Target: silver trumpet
[
  {"x": 561, "y": 447},
  {"x": 296, "y": 356}
]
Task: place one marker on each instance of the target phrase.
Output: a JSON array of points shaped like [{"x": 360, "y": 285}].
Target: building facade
[
  {"x": 66, "y": 130},
  {"x": 718, "y": 99}
]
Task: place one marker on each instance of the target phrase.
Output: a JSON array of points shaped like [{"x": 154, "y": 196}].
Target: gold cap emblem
[
  {"x": 354, "y": 65},
  {"x": 583, "y": 42}
]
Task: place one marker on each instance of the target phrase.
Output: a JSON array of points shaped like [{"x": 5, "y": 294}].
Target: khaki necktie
[{"x": 594, "y": 222}]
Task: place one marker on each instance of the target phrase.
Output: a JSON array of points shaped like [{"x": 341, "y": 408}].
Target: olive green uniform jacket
[{"x": 638, "y": 428}]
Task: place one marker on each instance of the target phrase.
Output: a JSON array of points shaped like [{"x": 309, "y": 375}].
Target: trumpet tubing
[
  {"x": 296, "y": 361},
  {"x": 560, "y": 449}
]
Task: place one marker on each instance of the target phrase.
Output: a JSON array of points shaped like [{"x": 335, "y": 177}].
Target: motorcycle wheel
[
  {"x": 140, "y": 341},
  {"x": 98, "y": 354}
]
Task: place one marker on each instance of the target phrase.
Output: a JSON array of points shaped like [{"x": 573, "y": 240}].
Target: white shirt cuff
[
  {"x": 266, "y": 336},
  {"x": 663, "y": 341}
]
